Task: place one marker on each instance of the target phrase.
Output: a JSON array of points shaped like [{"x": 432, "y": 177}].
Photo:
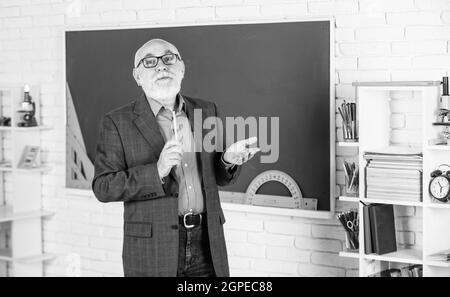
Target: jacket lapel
[{"x": 147, "y": 125}]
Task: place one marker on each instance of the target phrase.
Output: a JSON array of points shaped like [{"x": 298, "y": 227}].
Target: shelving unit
[
  {"x": 21, "y": 213},
  {"x": 373, "y": 106}
]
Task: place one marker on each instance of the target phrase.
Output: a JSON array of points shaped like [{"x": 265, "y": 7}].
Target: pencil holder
[
  {"x": 351, "y": 186},
  {"x": 351, "y": 241},
  {"x": 349, "y": 133}
]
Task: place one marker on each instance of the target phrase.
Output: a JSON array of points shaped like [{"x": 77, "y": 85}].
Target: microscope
[
  {"x": 444, "y": 104},
  {"x": 28, "y": 110},
  {"x": 443, "y": 117}
]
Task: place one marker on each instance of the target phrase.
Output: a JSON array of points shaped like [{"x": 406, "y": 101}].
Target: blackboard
[{"x": 262, "y": 70}]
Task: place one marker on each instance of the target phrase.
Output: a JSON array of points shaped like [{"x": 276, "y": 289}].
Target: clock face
[{"x": 440, "y": 187}]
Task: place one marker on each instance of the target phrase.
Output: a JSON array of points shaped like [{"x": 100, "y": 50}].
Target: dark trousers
[{"x": 194, "y": 257}]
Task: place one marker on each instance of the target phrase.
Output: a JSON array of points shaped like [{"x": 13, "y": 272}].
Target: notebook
[{"x": 382, "y": 228}]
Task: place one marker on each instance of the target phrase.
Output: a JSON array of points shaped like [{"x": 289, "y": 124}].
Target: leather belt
[{"x": 190, "y": 220}]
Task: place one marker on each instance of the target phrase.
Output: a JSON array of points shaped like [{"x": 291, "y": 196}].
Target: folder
[{"x": 367, "y": 236}]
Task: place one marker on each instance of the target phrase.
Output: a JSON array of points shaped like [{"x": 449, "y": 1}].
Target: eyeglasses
[{"x": 151, "y": 62}]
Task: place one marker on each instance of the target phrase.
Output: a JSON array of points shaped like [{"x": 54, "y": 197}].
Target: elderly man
[{"x": 172, "y": 214}]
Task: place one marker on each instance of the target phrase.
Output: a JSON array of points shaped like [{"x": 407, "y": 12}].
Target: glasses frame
[{"x": 178, "y": 58}]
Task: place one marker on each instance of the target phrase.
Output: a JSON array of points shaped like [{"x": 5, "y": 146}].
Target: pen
[
  {"x": 345, "y": 170},
  {"x": 351, "y": 181},
  {"x": 350, "y": 119},
  {"x": 342, "y": 115},
  {"x": 353, "y": 108},
  {"x": 175, "y": 126},
  {"x": 346, "y": 118}
]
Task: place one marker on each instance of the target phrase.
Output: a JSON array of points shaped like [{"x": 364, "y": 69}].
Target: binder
[
  {"x": 382, "y": 227},
  {"x": 367, "y": 235}
]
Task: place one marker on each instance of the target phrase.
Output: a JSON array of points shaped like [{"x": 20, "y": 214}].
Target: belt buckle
[
  {"x": 190, "y": 213},
  {"x": 184, "y": 220}
]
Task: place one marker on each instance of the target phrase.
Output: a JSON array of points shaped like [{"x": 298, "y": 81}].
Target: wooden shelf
[
  {"x": 354, "y": 255},
  {"x": 348, "y": 199},
  {"x": 441, "y": 147},
  {"x": 400, "y": 256},
  {"x": 348, "y": 144},
  {"x": 37, "y": 258},
  {"x": 25, "y": 129},
  {"x": 392, "y": 201},
  {"x": 382, "y": 201},
  {"x": 438, "y": 263},
  {"x": 438, "y": 205},
  {"x": 386, "y": 85},
  {"x": 6, "y": 255},
  {"x": 6, "y": 215},
  {"x": 37, "y": 169}
]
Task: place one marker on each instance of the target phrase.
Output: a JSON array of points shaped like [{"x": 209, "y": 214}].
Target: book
[
  {"x": 404, "y": 173},
  {"x": 367, "y": 236},
  {"x": 392, "y": 197},
  {"x": 398, "y": 150},
  {"x": 405, "y": 272},
  {"x": 394, "y": 191},
  {"x": 440, "y": 256},
  {"x": 406, "y": 163},
  {"x": 387, "y": 187},
  {"x": 416, "y": 270},
  {"x": 389, "y": 164},
  {"x": 382, "y": 228}
]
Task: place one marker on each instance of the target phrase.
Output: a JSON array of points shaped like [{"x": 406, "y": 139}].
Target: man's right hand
[{"x": 170, "y": 156}]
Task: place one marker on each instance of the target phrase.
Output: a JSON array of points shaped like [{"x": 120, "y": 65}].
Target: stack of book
[
  {"x": 394, "y": 172},
  {"x": 440, "y": 256}
]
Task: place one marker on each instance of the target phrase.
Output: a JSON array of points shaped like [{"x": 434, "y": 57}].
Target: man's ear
[
  {"x": 183, "y": 68},
  {"x": 136, "y": 76}
]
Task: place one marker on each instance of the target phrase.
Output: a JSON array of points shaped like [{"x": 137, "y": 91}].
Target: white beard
[{"x": 164, "y": 94}]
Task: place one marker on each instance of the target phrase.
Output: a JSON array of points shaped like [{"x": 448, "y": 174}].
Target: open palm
[{"x": 240, "y": 152}]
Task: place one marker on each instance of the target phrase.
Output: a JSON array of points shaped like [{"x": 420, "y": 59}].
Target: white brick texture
[{"x": 375, "y": 40}]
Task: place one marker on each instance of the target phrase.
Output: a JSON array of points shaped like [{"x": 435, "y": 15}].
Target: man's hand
[
  {"x": 170, "y": 156},
  {"x": 240, "y": 152}
]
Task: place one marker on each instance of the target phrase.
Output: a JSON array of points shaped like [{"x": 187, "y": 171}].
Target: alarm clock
[{"x": 440, "y": 185}]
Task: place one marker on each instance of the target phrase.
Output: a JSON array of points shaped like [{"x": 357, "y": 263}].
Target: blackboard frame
[{"x": 324, "y": 213}]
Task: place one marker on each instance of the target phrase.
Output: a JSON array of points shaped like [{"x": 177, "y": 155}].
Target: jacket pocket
[
  {"x": 221, "y": 216},
  {"x": 138, "y": 229}
]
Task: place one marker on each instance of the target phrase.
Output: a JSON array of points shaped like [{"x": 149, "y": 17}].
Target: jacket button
[{"x": 174, "y": 227}]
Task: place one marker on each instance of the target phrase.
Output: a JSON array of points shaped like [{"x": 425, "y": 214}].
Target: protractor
[{"x": 278, "y": 176}]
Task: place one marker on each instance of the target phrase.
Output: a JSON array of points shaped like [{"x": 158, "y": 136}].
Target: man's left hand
[{"x": 240, "y": 152}]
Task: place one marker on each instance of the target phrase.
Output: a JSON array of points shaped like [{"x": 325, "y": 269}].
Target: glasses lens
[
  {"x": 169, "y": 59},
  {"x": 150, "y": 62}
]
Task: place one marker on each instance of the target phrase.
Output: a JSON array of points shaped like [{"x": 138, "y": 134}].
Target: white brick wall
[{"x": 375, "y": 40}]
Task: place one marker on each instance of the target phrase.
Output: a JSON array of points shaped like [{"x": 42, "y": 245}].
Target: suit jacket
[{"x": 128, "y": 149}]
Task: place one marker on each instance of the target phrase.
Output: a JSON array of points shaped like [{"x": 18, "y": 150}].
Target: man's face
[{"x": 162, "y": 82}]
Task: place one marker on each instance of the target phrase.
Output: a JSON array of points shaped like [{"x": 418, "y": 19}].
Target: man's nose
[{"x": 161, "y": 66}]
